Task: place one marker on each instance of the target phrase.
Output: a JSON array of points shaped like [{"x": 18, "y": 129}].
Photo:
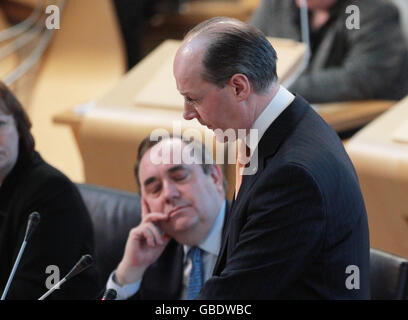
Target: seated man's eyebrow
[
  {"x": 176, "y": 168},
  {"x": 149, "y": 181}
]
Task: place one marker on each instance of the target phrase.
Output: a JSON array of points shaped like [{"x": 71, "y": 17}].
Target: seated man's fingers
[
  {"x": 149, "y": 237},
  {"x": 155, "y": 217},
  {"x": 145, "y": 207},
  {"x": 157, "y": 233}
]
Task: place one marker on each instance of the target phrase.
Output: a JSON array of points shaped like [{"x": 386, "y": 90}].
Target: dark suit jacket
[
  {"x": 299, "y": 222},
  {"x": 63, "y": 235},
  {"x": 163, "y": 280},
  {"x": 369, "y": 63}
]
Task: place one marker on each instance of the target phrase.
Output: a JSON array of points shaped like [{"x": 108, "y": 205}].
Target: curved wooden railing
[
  {"x": 21, "y": 48},
  {"x": 59, "y": 69}
]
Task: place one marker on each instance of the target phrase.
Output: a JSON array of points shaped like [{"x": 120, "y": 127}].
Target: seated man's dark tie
[{"x": 196, "y": 275}]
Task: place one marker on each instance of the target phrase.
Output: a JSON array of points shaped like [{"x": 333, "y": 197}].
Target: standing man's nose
[{"x": 189, "y": 112}]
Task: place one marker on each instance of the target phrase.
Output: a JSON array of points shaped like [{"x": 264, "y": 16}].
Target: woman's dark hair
[{"x": 11, "y": 106}]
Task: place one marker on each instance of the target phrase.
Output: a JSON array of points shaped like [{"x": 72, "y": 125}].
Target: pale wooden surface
[
  {"x": 159, "y": 88},
  {"x": 123, "y": 94},
  {"x": 381, "y": 161},
  {"x": 102, "y": 138},
  {"x": 159, "y": 64},
  {"x": 348, "y": 115},
  {"x": 401, "y": 133},
  {"x": 84, "y": 60}
]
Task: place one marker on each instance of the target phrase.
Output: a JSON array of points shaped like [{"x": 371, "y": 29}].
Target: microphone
[
  {"x": 84, "y": 263},
  {"x": 33, "y": 221},
  {"x": 109, "y": 294}
]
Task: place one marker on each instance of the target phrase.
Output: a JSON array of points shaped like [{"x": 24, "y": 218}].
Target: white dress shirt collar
[
  {"x": 212, "y": 242},
  {"x": 278, "y": 104}
]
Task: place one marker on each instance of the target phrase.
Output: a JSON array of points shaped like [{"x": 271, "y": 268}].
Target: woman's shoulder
[
  {"x": 41, "y": 174},
  {"x": 41, "y": 187}
]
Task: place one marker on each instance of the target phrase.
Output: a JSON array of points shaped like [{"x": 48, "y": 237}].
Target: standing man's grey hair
[{"x": 236, "y": 47}]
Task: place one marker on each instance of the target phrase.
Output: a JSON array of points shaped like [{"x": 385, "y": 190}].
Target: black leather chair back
[
  {"x": 114, "y": 213},
  {"x": 388, "y": 276}
]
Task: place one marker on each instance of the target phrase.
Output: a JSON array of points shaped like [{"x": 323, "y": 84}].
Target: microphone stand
[
  {"x": 33, "y": 221},
  {"x": 84, "y": 263}
]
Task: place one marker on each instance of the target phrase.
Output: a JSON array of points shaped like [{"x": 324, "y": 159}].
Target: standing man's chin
[{"x": 221, "y": 137}]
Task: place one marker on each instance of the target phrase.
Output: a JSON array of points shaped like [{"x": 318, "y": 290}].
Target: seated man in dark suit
[
  {"x": 174, "y": 248},
  {"x": 346, "y": 64},
  {"x": 297, "y": 228}
]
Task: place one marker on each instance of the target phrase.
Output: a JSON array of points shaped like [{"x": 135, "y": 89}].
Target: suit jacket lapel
[{"x": 274, "y": 136}]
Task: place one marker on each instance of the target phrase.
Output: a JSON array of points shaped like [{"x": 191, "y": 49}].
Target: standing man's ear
[{"x": 241, "y": 86}]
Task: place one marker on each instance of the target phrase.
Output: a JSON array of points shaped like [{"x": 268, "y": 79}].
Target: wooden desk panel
[
  {"x": 381, "y": 161},
  {"x": 123, "y": 94},
  {"x": 344, "y": 116}
]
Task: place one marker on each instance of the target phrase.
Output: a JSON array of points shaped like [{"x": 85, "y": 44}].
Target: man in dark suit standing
[
  {"x": 298, "y": 227},
  {"x": 174, "y": 249}
]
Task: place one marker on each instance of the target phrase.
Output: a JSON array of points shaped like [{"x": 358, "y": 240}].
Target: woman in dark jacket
[{"x": 64, "y": 234}]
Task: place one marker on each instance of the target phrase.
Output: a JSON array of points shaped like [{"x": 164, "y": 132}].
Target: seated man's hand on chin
[{"x": 144, "y": 246}]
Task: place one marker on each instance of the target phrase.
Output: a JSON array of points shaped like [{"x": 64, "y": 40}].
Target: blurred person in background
[
  {"x": 134, "y": 16},
  {"x": 346, "y": 64},
  {"x": 64, "y": 234},
  {"x": 298, "y": 219}
]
